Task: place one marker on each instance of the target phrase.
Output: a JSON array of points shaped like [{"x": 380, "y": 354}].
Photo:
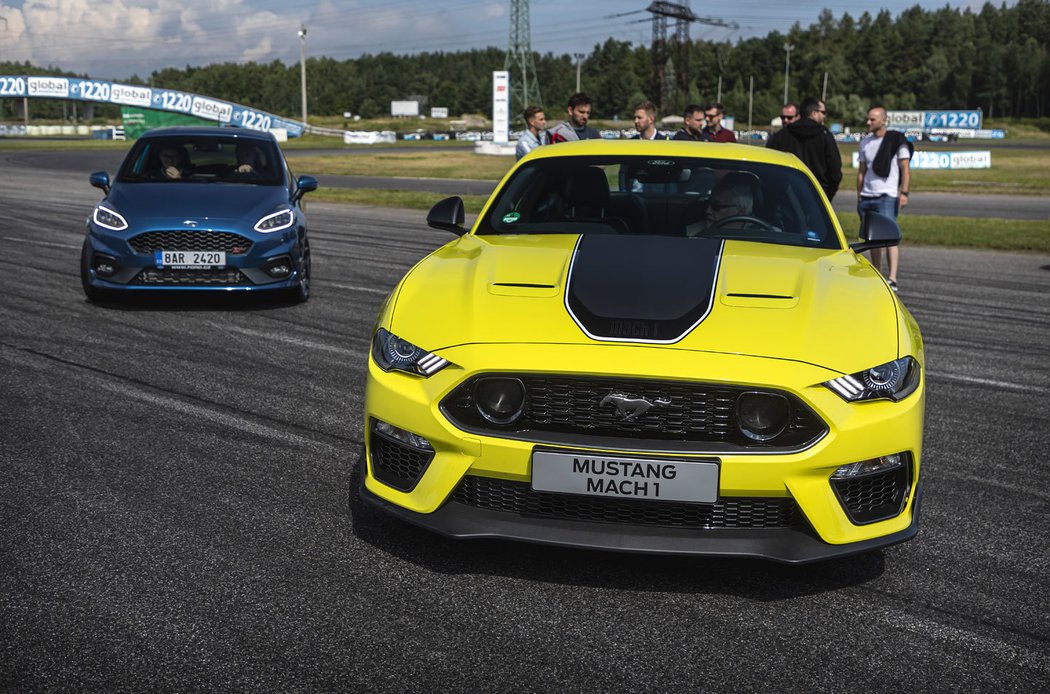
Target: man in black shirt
[{"x": 810, "y": 141}]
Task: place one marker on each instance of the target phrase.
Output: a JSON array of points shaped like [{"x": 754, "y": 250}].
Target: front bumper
[
  {"x": 856, "y": 431},
  {"x": 138, "y": 272},
  {"x": 786, "y": 545}
]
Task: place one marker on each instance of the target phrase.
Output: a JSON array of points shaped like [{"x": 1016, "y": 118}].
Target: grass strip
[
  {"x": 966, "y": 232},
  {"x": 382, "y": 197}
]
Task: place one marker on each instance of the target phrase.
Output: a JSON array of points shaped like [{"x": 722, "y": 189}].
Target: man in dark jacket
[{"x": 810, "y": 141}]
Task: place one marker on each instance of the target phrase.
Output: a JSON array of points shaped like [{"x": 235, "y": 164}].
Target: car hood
[
  {"x": 817, "y": 306},
  {"x": 161, "y": 203}
]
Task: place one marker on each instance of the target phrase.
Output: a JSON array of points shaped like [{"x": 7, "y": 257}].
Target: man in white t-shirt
[{"x": 883, "y": 180}]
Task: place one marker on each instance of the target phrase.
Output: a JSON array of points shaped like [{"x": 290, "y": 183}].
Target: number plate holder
[
  {"x": 190, "y": 260},
  {"x": 626, "y": 477}
]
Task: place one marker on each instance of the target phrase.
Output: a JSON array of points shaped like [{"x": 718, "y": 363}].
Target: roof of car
[
  {"x": 674, "y": 148},
  {"x": 208, "y": 131}
]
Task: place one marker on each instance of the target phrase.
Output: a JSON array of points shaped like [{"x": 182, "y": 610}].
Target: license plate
[
  {"x": 626, "y": 478},
  {"x": 190, "y": 260}
]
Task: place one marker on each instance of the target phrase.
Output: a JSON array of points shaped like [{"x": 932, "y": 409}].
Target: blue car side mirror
[
  {"x": 304, "y": 184},
  {"x": 100, "y": 179}
]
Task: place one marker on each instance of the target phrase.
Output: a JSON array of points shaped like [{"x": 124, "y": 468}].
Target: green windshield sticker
[{"x": 511, "y": 217}]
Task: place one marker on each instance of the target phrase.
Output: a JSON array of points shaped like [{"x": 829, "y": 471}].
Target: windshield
[
  {"x": 203, "y": 159},
  {"x": 665, "y": 196}
]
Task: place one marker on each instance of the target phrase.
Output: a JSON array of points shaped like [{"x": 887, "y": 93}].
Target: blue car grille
[
  {"x": 151, "y": 241},
  {"x": 190, "y": 278},
  {"x": 727, "y": 512}
]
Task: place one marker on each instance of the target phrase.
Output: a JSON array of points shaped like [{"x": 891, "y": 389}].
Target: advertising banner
[
  {"x": 925, "y": 120},
  {"x": 926, "y": 159},
  {"x": 172, "y": 101},
  {"x": 500, "y": 106}
]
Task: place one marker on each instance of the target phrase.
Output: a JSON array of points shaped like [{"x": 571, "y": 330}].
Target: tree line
[{"x": 995, "y": 59}]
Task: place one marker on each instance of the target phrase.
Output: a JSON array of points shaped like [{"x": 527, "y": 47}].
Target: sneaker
[{"x": 893, "y": 285}]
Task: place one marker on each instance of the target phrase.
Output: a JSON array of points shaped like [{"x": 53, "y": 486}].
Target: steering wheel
[{"x": 725, "y": 221}]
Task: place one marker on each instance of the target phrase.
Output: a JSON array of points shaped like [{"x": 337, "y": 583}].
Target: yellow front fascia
[{"x": 857, "y": 431}]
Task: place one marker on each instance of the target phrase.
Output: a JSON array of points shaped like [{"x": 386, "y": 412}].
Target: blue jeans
[{"x": 883, "y": 204}]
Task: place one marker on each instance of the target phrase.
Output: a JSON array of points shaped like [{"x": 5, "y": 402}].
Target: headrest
[{"x": 587, "y": 187}]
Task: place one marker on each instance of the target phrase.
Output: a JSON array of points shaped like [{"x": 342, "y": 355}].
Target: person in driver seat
[
  {"x": 249, "y": 160},
  {"x": 732, "y": 196}
]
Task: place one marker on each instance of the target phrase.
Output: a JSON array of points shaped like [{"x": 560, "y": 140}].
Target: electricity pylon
[{"x": 524, "y": 86}]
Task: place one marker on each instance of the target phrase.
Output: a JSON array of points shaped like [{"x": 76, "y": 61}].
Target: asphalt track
[
  {"x": 178, "y": 513},
  {"x": 941, "y": 204}
]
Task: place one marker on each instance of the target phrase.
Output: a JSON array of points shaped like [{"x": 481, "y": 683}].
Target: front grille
[
  {"x": 874, "y": 497},
  {"x": 728, "y": 512},
  {"x": 187, "y": 278},
  {"x": 397, "y": 465},
  {"x": 151, "y": 241},
  {"x": 698, "y": 412}
]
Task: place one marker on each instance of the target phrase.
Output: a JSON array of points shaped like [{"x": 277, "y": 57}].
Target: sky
[{"x": 114, "y": 39}]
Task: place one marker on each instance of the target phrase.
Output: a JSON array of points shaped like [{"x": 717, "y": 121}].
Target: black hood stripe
[{"x": 653, "y": 289}]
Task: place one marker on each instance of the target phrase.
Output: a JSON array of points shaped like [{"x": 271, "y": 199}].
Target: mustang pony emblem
[{"x": 631, "y": 408}]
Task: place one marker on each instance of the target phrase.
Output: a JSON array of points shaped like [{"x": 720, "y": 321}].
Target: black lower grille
[
  {"x": 874, "y": 497},
  {"x": 182, "y": 278},
  {"x": 728, "y": 512},
  {"x": 151, "y": 241},
  {"x": 397, "y": 465}
]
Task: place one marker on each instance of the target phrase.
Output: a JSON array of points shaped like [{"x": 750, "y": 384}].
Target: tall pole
[
  {"x": 302, "y": 66},
  {"x": 5, "y": 31},
  {"x": 824, "y": 92},
  {"x": 579, "y": 62},
  {"x": 787, "y": 69},
  {"x": 750, "y": 100}
]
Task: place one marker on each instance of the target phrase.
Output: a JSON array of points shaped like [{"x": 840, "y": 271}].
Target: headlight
[
  {"x": 276, "y": 221},
  {"x": 393, "y": 353},
  {"x": 894, "y": 380},
  {"x": 109, "y": 218}
]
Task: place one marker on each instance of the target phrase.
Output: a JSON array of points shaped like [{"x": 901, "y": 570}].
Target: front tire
[{"x": 300, "y": 294}]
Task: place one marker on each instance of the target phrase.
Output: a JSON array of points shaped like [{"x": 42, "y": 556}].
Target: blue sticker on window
[{"x": 812, "y": 235}]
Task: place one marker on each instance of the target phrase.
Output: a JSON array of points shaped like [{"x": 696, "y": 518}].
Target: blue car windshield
[
  {"x": 203, "y": 159},
  {"x": 667, "y": 196}
]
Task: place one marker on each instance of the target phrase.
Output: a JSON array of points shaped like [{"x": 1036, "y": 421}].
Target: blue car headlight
[
  {"x": 108, "y": 218},
  {"x": 276, "y": 221},
  {"x": 894, "y": 380},
  {"x": 394, "y": 354}
]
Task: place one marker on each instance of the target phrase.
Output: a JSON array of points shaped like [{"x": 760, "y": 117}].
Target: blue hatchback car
[{"x": 199, "y": 209}]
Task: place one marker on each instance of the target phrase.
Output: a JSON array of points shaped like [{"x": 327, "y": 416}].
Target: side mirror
[
  {"x": 100, "y": 179},
  {"x": 877, "y": 231},
  {"x": 304, "y": 185},
  {"x": 448, "y": 215}
]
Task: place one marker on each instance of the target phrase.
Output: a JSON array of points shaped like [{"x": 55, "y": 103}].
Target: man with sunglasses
[
  {"x": 713, "y": 130},
  {"x": 810, "y": 141}
]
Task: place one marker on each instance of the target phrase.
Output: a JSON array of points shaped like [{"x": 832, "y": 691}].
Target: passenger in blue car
[{"x": 174, "y": 162}]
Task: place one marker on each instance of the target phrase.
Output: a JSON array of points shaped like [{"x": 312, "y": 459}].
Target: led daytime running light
[
  {"x": 893, "y": 380},
  {"x": 110, "y": 219},
  {"x": 393, "y": 353},
  {"x": 275, "y": 222}
]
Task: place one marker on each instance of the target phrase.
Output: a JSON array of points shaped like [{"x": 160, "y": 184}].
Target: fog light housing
[
  {"x": 869, "y": 467},
  {"x": 399, "y": 434},
  {"x": 104, "y": 265},
  {"x": 500, "y": 400},
  {"x": 762, "y": 416},
  {"x": 278, "y": 268}
]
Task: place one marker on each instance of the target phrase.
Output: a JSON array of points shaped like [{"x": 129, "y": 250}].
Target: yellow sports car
[{"x": 650, "y": 347}]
